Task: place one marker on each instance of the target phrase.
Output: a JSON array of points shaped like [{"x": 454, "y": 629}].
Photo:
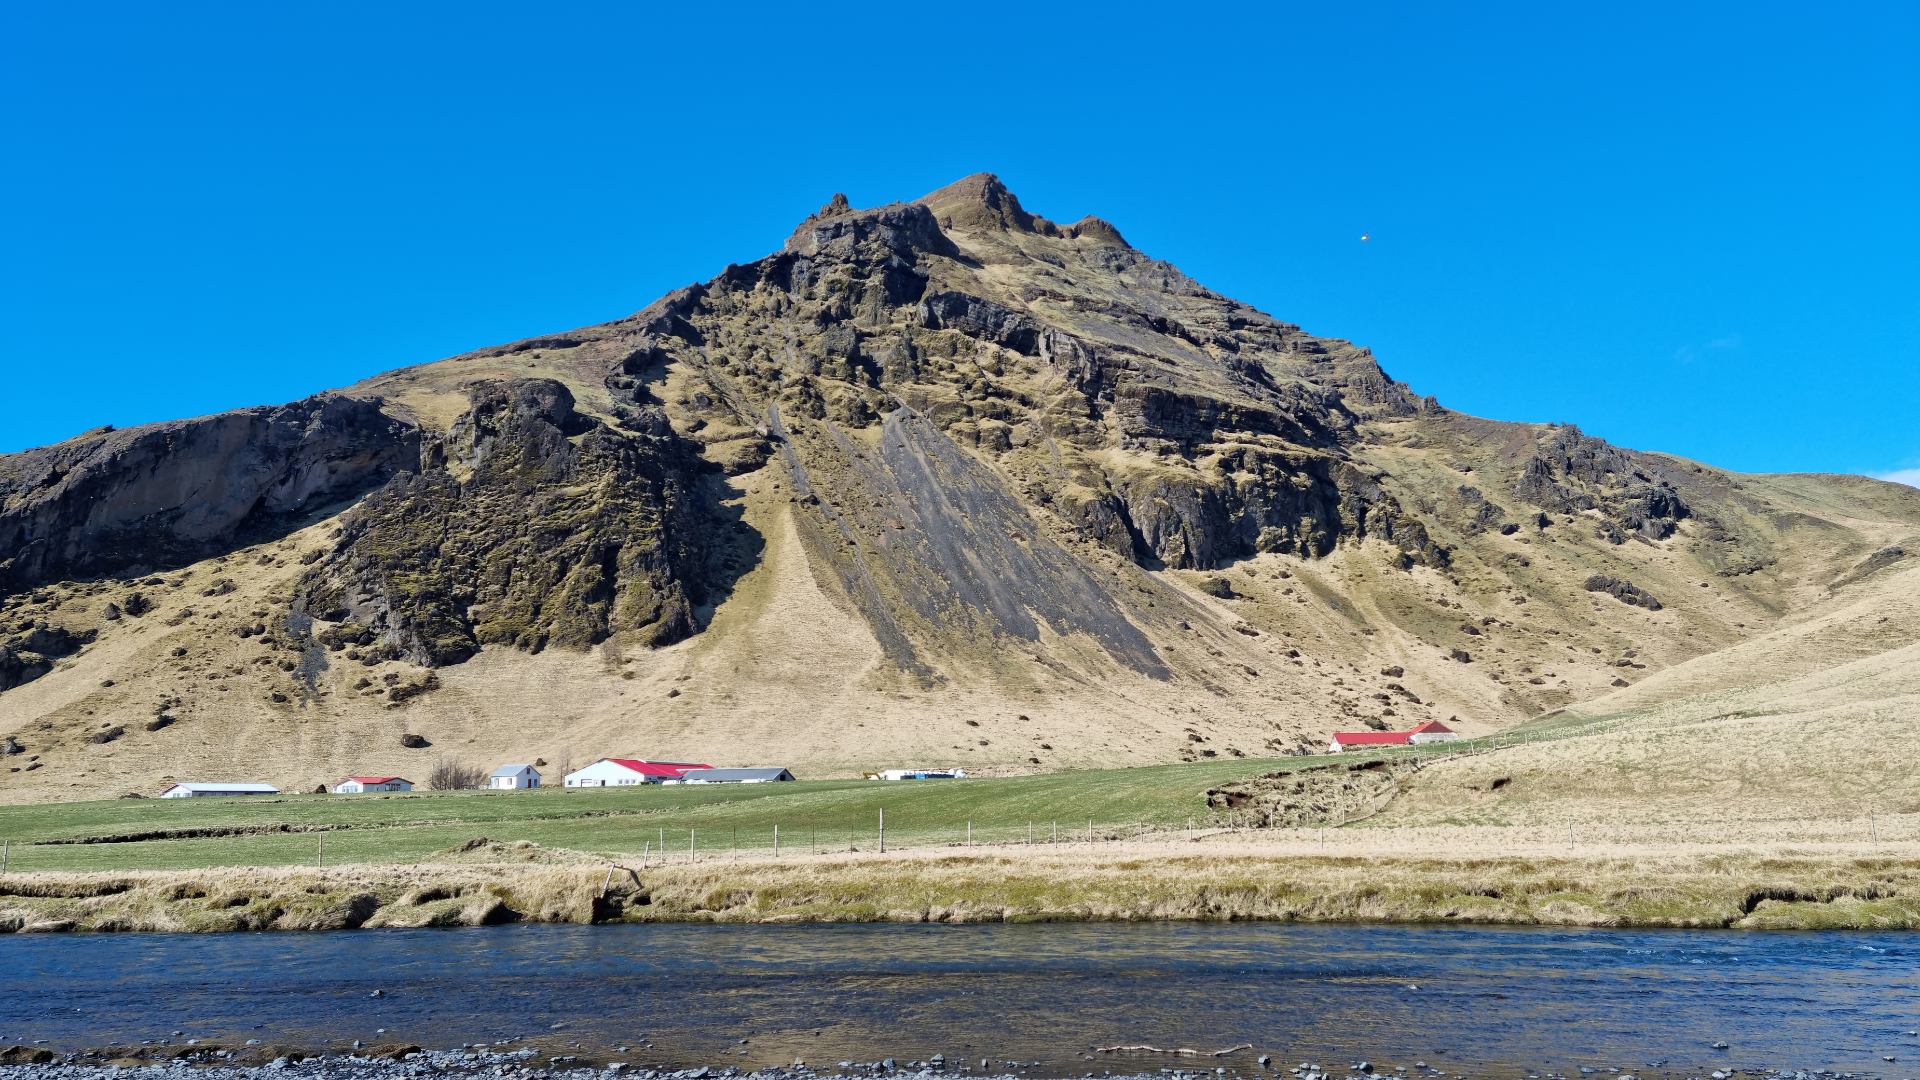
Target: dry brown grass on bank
[
  {"x": 1777, "y": 888},
  {"x": 470, "y": 885}
]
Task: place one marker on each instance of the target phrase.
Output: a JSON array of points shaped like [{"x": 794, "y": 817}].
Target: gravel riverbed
[{"x": 408, "y": 1063}]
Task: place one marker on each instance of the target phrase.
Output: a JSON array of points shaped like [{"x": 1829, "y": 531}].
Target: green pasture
[{"x": 824, "y": 815}]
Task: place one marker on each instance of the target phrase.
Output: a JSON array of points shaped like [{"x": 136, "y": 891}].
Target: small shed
[
  {"x": 188, "y": 791},
  {"x": 354, "y": 785},
  {"x": 514, "y": 778},
  {"x": 735, "y": 776}
]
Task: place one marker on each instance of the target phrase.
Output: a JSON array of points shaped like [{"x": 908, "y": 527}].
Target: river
[{"x": 1464, "y": 1000}]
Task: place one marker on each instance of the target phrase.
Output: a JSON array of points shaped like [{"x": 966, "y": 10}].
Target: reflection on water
[{"x": 1492, "y": 1001}]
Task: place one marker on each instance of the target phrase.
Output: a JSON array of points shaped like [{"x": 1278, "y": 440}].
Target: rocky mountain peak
[
  {"x": 835, "y": 207},
  {"x": 981, "y": 202}
]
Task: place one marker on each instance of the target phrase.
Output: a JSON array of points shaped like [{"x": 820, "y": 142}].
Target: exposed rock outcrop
[
  {"x": 1570, "y": 472},
  {"x": 26, "y": 656},
  {"x": 161, "y": 494},
  {"x": 531, "y": 525},
  {"x": 1622, "y": 590}
]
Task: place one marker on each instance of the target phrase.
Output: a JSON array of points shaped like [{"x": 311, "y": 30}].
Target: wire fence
[{"x": 675, "y": 847}]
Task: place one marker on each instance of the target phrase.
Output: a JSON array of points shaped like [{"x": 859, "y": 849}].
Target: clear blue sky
[{"x": 1685, "y": 227}]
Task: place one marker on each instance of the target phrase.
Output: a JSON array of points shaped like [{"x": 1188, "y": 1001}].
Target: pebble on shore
[{"x": 398, "y": 1061}]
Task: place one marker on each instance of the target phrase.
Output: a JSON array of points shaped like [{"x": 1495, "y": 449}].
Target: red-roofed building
[
  {"x": 1431, "y": 731},
  {"x": 354, "y": 785},
  {"x": 621, "y": 772},
  {"x": 1360, "y": 740}
]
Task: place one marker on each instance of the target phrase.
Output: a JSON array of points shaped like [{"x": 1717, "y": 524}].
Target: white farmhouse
[
  {"x": 514, "y": 778},
  {"x": 354, "y": 785},
  {"x": 621, "y": 772},
  {"x": 188, "y": 791}
]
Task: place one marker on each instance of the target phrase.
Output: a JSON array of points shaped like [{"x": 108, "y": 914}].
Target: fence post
[
  {"x": 883, "y": 830},
  {"x": 969, "y": 834},
  {"x": 646, "y": 854},
  {"x": 776, "y": 840},
  {"x": 320, "y": 857},
  {"x": 6, "y": 850},
  {"x": 1029, "y": 834}
]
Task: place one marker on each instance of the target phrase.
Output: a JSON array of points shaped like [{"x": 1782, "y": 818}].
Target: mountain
[{"x": 939, "y": 482}]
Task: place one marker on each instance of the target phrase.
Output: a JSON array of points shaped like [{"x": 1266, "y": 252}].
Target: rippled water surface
[{"x": 1479, "y": 1000}]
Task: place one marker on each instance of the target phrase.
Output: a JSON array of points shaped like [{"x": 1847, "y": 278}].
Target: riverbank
[{"x": 1218, "y": 878}]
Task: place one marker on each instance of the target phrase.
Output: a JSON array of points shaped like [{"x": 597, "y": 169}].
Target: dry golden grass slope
[
  {"x": 496, "y": 883},
  {"x": 1781, "y": 661}
]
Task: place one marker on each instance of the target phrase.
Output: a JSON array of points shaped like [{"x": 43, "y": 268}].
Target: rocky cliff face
[
  {"x": 125, "y": 502},
  {"x": 531, "y": 525},
  {"x": 939, "y": 455}
]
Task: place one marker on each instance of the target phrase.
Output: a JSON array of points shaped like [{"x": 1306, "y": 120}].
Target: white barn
[
  {"x": 354, "y": 785},
  {"x": 514, "y": 778},
  {"x": 188, "y": 791},
  {"x": 621, "y": 772}
]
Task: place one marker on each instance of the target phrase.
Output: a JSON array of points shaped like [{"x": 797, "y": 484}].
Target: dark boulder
[
  {"x": 1216, "y": 586},
  {"x": 1623, "y": 590}
]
